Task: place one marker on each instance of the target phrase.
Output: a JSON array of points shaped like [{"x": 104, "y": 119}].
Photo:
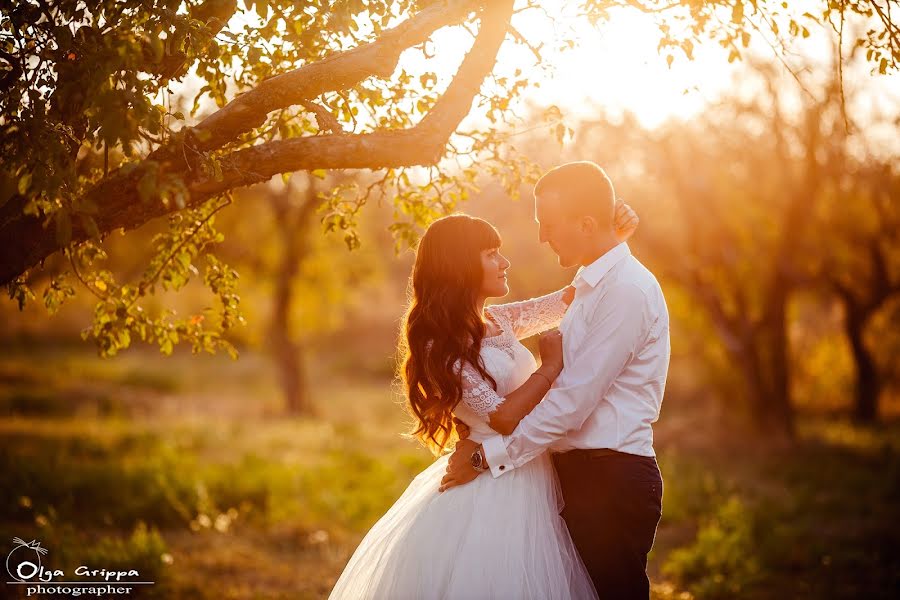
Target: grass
[{"x": 196, "y": 480}]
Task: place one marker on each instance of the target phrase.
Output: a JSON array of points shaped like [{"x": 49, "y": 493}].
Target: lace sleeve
[
  {"x": 477, "y": 393},
  {"x": 529, "y": 317}
]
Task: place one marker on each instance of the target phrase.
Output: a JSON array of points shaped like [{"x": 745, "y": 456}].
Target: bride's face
[{"x": 493, "y": 268}]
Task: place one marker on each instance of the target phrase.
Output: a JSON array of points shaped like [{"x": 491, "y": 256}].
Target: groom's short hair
[{"x": 582, "y": 186}]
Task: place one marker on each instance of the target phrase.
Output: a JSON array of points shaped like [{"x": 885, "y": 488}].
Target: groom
[{"x": 597, "y": 418}]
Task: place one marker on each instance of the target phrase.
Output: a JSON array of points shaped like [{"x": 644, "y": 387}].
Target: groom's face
[{"x": 558, "y": 229}]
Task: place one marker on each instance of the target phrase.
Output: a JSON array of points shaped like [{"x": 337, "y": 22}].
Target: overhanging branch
[
  {"x": 337, "y": 72},
  {"x": 28, "y": 242}
]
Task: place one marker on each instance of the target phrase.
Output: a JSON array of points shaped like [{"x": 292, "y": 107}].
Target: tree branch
[
  {"x": 337, "y": 72},
  {"x": 28, "y": 242}
]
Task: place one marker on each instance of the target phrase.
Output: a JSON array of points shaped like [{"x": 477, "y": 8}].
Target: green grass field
[{"x": 184, "y": 469}]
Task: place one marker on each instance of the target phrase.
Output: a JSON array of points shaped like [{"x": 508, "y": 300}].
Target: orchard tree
[
  {"x": 800, "y": 203},
  {"x": 301, "y": 284},
  {"x": 855, "y": 255},
  {"x": 93, "y": 140}
]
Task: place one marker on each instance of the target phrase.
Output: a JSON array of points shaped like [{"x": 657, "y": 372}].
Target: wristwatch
[{"x": 478, "y": 461}]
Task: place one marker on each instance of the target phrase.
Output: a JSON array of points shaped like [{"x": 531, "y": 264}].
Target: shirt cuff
[{"x": 495, "y": 452}]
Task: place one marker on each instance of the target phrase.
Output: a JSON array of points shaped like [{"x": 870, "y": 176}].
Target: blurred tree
[
  {"x": 855, "y": 245},
  {"x": 795, "y": 204},
  {"x": 299, "y": 282},
  {"x": 293, "y": 220},
  {"x": 90, "y": 107}
]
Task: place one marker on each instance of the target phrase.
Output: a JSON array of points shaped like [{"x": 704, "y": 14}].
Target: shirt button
[{"x": 502, "y": 467}]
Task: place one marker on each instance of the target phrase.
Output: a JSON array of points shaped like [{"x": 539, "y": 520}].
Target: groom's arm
[{"x": 620, "y": 323}]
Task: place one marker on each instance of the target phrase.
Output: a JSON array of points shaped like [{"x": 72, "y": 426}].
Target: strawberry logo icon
[{"x": 24, "y": 552}]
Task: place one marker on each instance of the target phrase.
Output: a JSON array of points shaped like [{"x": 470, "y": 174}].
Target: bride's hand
[
  {"x": 626, "y": 220},
  {"x": 551, "y": 348}
]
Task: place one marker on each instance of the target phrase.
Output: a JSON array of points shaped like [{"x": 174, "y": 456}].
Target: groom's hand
[
  {"x": 462, "y": 430},
  {"x": 459, "y": 467}
]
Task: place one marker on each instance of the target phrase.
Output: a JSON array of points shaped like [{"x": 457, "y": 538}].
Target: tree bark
[
  {"x": 861, "y": 300},
  {"x": 775, "y": 411},
  {"x": 293, "y": 228},
  {"x": 868, "y": 381},
  {"x": 339, "y": 71},
  {"x": 858, "y": 310}
]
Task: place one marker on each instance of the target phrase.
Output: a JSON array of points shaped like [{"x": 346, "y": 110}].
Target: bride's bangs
[{"x": 484, "y": 235}]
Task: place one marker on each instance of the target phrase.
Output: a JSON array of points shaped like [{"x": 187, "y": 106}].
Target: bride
[{"x": 494, "y": 538}]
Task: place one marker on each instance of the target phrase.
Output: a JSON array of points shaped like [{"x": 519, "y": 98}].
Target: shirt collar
[{"x": 592, "y": 274}]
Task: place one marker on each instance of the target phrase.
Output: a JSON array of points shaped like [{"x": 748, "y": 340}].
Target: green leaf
[
  {"x": 560, "y": 133},
  {"x": 24, "y": 183},
  {"x": 20, "y": 291}
]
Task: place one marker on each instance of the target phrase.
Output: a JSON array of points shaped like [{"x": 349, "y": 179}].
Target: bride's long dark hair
[{"x": 443, "y": 323}]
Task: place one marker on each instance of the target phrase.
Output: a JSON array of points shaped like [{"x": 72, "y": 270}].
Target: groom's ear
[{"x": 589, "y": 225}]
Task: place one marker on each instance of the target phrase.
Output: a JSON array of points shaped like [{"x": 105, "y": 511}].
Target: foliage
[
  {"x": 721, "y": 561},
  {"x": 97, "y": 89},
  {"x": 119, "y": 315},
  {"x": 739, "y": 520},
  {"x": 145, "y": 551},
  {"x": 801, "y": 202}
]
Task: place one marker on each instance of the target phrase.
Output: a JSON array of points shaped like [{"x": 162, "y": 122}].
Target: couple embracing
[{"x": 553, "y": 490}]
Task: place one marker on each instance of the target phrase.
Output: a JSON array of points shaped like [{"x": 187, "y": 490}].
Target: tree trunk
[
  {"x": 868, "y": 382},
  {"x": 288, "y": 354},
  {"x": 759, "y": 350},
  {"x": 290, "y": 360},
  {"x": 292, "y": 221},
  {"x": 779, "y": 410},
  {"x": 765, "y": 371}
]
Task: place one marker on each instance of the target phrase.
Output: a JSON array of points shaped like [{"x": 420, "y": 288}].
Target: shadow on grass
[
  {"x": 273, "y": 508},
  {"x": 817, "y": 520}
]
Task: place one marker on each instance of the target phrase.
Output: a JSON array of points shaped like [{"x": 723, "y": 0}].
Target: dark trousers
[{"x": 613, "y": 502}]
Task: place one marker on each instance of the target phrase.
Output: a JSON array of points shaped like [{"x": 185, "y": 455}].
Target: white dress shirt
[{"x": 616, "y": 356}]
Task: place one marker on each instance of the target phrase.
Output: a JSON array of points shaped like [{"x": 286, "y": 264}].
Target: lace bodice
[{"x": 505, "y": 358}]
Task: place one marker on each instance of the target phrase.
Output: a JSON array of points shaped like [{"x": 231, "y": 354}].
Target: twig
[
  {"x": 521, "y": 39},
  {"x": 324, "y": 119},
  {"x": 840, "y": 57},
  {"x": 143, "y": 286},
  {"x": 78, "y": 275},
  {"x": 780, "y": 57}
]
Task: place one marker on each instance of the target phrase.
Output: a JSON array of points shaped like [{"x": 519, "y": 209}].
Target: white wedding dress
[{"x": 492, "y": 538}]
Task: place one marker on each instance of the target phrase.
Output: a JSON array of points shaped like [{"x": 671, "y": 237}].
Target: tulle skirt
[{"x": 492, "y": 538}]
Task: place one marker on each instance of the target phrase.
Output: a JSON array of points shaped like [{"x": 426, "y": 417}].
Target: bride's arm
[
  {"x": 535, "y": 315},
  {"x": 504, "y": 413}
]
